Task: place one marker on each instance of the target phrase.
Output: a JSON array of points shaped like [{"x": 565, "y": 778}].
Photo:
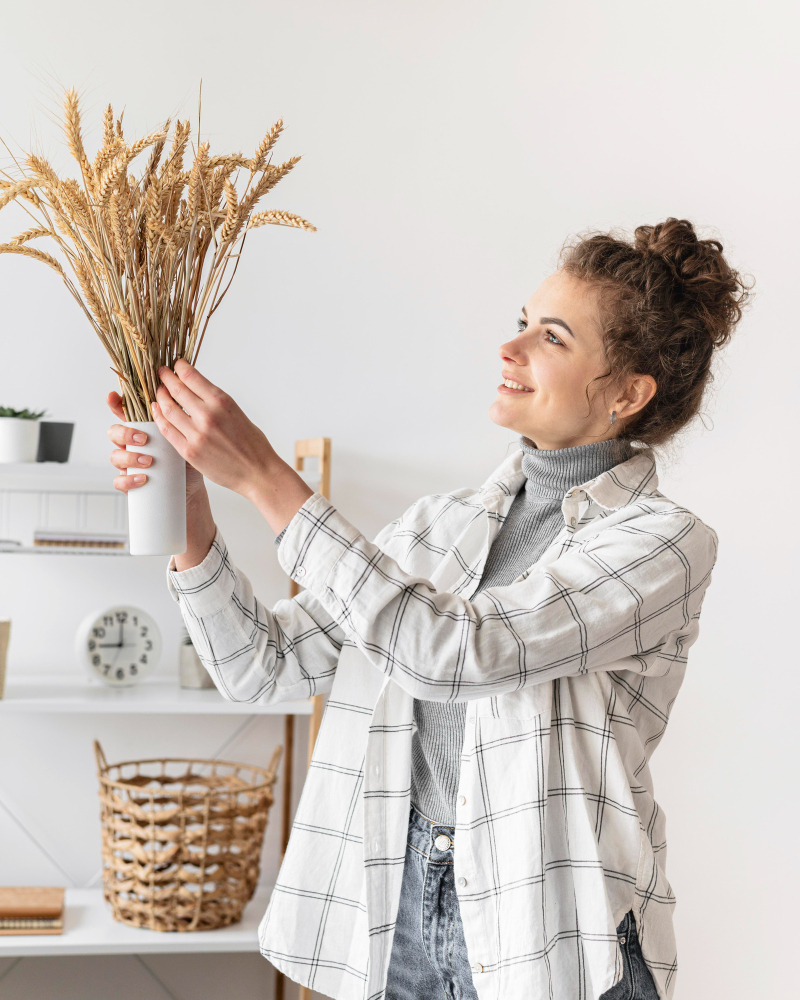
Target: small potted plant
[{"x": 19, "y": 434}]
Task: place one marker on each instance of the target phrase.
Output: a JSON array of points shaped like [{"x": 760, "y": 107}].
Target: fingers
[
  {"x": 198, "y": 383},
  {"x": 123, "y": 459},
  {"x": 171, "y": 413},
  {"x": 168, "y": 430},
  {"x": 114, "y": 401},
  {"x": 179, "y": 390},
  {"x": 122, "y": 436},
  {"x": 125, "y": 483}
]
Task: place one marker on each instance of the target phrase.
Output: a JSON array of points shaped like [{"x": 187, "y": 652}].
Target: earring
[{"x": 613, "y": 416}]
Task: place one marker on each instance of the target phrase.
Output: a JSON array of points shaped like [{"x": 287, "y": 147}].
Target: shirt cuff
[
  {"x": 314, "y": 541},
  {"x": 207, "y": 587}
]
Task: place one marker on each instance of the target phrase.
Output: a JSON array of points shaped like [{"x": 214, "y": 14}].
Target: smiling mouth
[{"x": 508, "y": 384}]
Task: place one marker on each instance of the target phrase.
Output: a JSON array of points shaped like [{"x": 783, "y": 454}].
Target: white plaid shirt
[{"x": 569, "y": 675}]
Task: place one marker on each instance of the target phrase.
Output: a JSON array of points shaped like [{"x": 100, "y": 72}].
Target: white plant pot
[
  {"x": 157, "y": 510},
  {"x": 19, "y": 439}
]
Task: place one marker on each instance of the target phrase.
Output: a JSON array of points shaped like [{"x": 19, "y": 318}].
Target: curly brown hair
[{"x": 668, "y": 301}]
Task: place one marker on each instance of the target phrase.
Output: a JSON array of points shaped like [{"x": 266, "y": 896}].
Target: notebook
[{"x": 31, "y": 910}]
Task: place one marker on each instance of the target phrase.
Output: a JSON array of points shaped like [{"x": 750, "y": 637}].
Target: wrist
[
  {"x": 278, "y": 492},
  {"x": 200, "y": 533}
]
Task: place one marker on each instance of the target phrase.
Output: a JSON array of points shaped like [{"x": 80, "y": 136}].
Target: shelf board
[
  {"x": 89, "y": 929},
  {"x": 77, "y": 694},
  {"x": 57, "y": 477},
  {"x": 60, "y": 550},
  {"x": 76, "y": 477}
]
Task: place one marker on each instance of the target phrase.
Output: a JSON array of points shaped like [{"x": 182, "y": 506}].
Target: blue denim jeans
[{"x": 429, "y": 954}]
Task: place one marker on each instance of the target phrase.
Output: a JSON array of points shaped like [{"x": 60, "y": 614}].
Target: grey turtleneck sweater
[{"x": 533, "y": 521}]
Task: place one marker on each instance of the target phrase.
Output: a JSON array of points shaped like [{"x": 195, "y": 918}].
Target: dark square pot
[{"x": 55, "y": 440}]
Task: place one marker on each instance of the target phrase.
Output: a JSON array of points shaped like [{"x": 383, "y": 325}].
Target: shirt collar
[{"x": 616, "y": 487}]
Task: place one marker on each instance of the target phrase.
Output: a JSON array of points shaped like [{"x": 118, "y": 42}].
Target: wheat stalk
[
  {"x": 149, "y": 254},
  {"x": 278, "y": 218}
]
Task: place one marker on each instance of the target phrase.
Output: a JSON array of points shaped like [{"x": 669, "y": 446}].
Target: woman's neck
[{"x": 551, "y": 472}]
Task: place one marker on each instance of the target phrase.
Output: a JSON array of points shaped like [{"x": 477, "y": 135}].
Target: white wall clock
[{"x": 120, "y": 645}]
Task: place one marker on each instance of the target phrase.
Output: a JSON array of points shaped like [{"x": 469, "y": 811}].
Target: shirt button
[
  {"x": 301, "y": 570},
  {"x": 622, "y": 939},
  {"x": 572, "y": 521},
  {"x": 462, "y": 881},
  {"x": 443, "y": 842},
  {"x": 476, "y": 967},
  {"x": 462, "y": 799}
]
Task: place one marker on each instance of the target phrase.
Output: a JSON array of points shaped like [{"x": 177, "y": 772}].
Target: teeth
[{"x": 515, "y": 385}]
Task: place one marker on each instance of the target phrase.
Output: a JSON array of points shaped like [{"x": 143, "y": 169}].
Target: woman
[{"x": 501, "y": 661}]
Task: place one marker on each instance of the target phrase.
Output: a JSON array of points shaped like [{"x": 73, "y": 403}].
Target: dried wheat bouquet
[{"x": 145, "y": 257}]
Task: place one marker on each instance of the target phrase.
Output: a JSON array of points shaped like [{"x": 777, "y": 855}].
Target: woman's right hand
[{"x": 122, "y": 459}]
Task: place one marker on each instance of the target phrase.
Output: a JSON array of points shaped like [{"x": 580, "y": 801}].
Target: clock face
[{"x": 120, "y": 645}]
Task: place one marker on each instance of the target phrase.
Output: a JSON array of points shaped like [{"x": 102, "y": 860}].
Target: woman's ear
[{"x": 640, "y": 391}]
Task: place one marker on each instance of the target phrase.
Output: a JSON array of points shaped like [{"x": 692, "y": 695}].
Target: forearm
[
  {"x": 200, "y": 529},
  {"x": 253, "y": 653},
  {"x": 277, "y": 492},
  {"x": 622, "y": 595}
]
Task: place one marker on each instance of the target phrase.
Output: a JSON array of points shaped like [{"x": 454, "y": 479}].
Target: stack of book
[
  {"x": 31, "y": 910},
  {"x": 79, "y": 539}
]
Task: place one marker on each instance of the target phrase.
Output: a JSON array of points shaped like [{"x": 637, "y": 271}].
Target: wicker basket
[{"x": 182, "y": 839}]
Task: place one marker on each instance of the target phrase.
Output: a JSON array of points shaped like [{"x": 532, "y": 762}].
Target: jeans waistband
[{"x": 423, "y": 835}]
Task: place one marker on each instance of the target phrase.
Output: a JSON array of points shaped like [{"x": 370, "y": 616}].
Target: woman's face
[{"x": 557, "y": 352}]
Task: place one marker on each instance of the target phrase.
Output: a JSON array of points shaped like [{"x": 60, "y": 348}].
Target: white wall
[{"x": 448, "y": 149}]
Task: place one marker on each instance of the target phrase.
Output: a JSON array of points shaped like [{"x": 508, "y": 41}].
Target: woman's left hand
[{"x": 207, "y": 428}]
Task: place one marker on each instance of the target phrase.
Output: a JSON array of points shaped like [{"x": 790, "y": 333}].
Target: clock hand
[{"x": 109, "y": 645}]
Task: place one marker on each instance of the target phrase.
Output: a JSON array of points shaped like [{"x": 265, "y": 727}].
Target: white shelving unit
[
  {"x": 67, "y": 496},
  {"x": 81, "y": 497},
  {"x": 55, "y": 496},
  {"x": 77, "y": 694},
  {"x": 90, "y": 930}
]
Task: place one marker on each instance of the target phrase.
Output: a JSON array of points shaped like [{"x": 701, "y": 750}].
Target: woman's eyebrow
[{"x": 551, "y": 319}]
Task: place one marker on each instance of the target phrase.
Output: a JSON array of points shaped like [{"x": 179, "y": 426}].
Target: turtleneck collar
[{"x": 550, "y": 473}]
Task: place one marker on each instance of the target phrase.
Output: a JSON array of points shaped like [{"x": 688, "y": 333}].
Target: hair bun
[{"x": 675, "y": 242}]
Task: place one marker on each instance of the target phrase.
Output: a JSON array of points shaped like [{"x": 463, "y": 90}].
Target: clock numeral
[
  {"x": 133, "y": 669},
  {"x": 120, "y": 674},
  {"x": 99, "y": 632},
  {"x": 148, "y": 644},
  {"x": 106, "y": 667},
  {"x": 122, "y": 617},
  {"x": 135, "y": 619},
  {"x": 143, "y": 658},
  {"x": 96, "y": 659},
  {"x": 92, "y": 644},
  {"x": 108, "y": 619},
  {"x": 144, "y": 631}
]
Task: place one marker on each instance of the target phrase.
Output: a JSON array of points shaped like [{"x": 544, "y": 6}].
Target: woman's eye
[
  {"x": 549, "y": 333},
  {"x": 521, "y": 324}
]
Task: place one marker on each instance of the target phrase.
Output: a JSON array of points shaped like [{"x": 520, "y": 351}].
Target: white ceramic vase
[
  {"x": 157, "y": 510},
  {"x": 19, "y": 439}
]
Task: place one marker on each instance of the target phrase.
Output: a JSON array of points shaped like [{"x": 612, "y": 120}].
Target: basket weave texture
[{"x": 182, "y": 839}]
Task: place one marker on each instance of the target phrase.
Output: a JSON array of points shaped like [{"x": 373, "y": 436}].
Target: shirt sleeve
[
  {"x": 632, "y": 593},
  {"x": 252, "y": 653}
]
